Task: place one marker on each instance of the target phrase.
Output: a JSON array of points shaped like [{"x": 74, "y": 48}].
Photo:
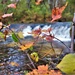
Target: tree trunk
[
  {"x": 28, "y": 3},
  {"x": 56, "y": 3}
]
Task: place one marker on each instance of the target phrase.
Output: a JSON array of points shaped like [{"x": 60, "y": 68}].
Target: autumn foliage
[
  {"x": 43, "y": 70},
  {"x": 44, "y": 34},
  {"x": 57, "y": 12},
  {"x": 26, "y": 46}
]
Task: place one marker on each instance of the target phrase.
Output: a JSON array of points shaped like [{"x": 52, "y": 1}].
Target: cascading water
[{"x": 59, "y": 30}]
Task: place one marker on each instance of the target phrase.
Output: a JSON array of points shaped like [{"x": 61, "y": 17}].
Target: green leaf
[
  {"x": 2, "y": 35},
  {"x": 67, "y": 65},
  {"x": 31, "y": 48},
  {"x": 14, "y": 37}
]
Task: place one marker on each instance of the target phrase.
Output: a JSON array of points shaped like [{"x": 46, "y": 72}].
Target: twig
[
  {"x": 63, "y": 44},
  {"x": 30, "y": 60},
  {"x": 29, "y": 66},
  {"x": 14, "y": 34},
  {"x": 52, "y": 47}
]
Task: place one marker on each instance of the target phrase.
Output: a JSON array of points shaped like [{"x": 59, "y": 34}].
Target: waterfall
[{"x": 59, "y": 30}]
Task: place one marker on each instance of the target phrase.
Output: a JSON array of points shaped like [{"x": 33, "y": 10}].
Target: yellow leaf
[
  {"x": 67, "y": 65},
  {"x": 20, "y": 34},
  {"x": 34, "y": 56},
  {"x": 26, "y": 46}
]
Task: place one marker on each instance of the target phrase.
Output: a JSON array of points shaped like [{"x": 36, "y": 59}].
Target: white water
[
  {"x": 26, "y": 30},
  {"x": 60, "y": 32}
]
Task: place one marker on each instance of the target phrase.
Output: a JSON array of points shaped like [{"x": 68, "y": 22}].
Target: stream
[{"x": 60, "y": 30}]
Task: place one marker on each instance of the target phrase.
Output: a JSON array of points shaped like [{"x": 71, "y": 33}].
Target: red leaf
[
  {"x": 49, "y": 37},
  {"x": 36, "y": 32},
  {"x": 57, "y": 12}
]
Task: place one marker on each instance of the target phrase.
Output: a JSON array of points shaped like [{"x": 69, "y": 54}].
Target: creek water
[{"x": 60, "y": 30}]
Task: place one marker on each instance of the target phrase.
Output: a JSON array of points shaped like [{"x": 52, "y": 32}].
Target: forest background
[{"x": 28, "y": 12}]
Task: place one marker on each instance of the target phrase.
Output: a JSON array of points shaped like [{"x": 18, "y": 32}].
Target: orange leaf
[
  {"x": 43, "y": 70},
  {"x": 57, "y": 12},
  {"x": 63, "y": 8},
  {"x": 26, "y": 46},
  {"x": 56, "y": 17},
  {"x": 53, "y": 72}
]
